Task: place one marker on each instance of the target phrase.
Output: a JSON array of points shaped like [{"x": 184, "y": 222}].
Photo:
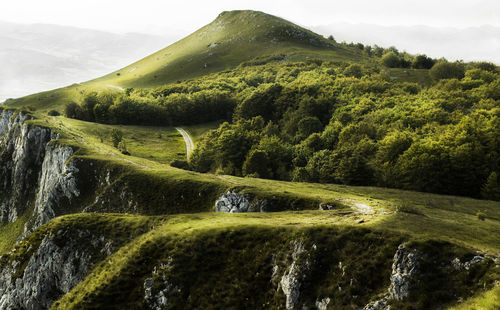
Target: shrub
[
  {"x": 72, "y": 110},
  {"x": 122, "y": 146},
  {"x": 116, "y": 136},
  {"x": 53, "y": 113},
  {"x": 447, "y": 70},
  {"x": 391, "y": 60},
  {"x": 181, "y": 164},
  {"x": 354, "y": 70},
  {"x": 423, "y": 62},
  {"x": 480, "y": 216}
]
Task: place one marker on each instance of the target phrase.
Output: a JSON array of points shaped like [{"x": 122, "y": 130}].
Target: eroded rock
[{"x": 52, "y": 270}]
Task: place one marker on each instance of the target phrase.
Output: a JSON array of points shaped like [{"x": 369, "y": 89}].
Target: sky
[{"x": 185, "y": 16}]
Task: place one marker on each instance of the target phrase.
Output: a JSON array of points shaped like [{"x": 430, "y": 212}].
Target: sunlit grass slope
[{"x": 232, "y": 38}]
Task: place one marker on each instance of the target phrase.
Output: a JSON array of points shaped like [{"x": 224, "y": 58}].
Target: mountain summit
[{"x": 232, "y": 38}]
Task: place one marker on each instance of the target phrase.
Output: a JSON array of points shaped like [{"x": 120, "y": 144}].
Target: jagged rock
[
  {"x": 404, "y": 269},
  {"x": 52, "y": 270},
  {"x": 458, "y": 265},
  {"x": 474, "y": 261},
  {"x": 57, "y": 181},
  {"x": 34, "y": 173},
  {"x": 22, "y": 149},
  {"x": 325, "y": 206},
  {"x": 232, "y": 202},
  {"x": 292, "y": 280},
  {"x": 156, "y": 297},
  {"x": 380, "y": 304},
  {"x": 323, "y": 303}
]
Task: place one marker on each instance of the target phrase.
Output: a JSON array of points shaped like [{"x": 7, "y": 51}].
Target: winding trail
[{"x": 187, "y": 140}]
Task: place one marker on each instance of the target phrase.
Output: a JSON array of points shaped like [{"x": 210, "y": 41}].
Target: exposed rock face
[
  {"x": 33, "y": 172},
  {"x": 52, "y": 270},
  {"x": 458, "y": 265},
  {"x": 22, "y": 150},
  {"x": 322, "y": 304},
  {"x": 57, "y": 181},
  {"x": 234, "y": 202},
  {"x": 158, "y": 287},
  {"x": 292, "y": 280},
  {"x": 404, "y": 269}
]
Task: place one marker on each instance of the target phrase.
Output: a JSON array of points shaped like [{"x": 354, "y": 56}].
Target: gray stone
[
  {"x": 232, "y": 202},
  {"x": 404, "y": 269},
  {"x": 292, "y": 279},
  {"x": 322, "y": 304},
  {"x": 51, "y": 272}
]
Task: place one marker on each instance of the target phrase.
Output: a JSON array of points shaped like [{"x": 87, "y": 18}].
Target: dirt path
[
  {"x": 115, "y": 87},
  {"x": 187, "y": 139}
]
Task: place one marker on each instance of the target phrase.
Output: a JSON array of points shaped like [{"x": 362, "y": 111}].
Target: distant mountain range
[
  {"x": 39, "y": 56},
  {"x": 470, "y": 44}
]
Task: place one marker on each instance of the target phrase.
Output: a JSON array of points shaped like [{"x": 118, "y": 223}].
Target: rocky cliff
[
  {"x": 36, "y": 173},
  {"x": 60, "y": 262}
]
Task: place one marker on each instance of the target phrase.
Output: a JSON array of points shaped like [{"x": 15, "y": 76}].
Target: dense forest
[{"x": 329, "y": 122}]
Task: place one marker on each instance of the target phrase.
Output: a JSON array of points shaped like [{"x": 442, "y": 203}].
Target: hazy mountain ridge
[{"x": 40, "y": 56}]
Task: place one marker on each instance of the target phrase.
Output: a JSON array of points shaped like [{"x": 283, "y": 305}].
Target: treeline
[
  {"x": 332, "y": 122},
  {"x": 351, "y": 124},
  {"x": 141, "y": 107}
]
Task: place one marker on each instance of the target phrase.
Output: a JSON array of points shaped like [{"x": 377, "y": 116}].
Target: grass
[
  {"x": 214, "y": 254},
  {"x": 160, "y": 189},
  {"x": 160, "y": 144},
  {"x": 484, "y": 301},
  {"x": 10, "y": 232}
]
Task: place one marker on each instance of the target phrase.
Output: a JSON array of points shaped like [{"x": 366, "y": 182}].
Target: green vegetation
[
  {"x": 313, "y": 123},
  {"x": 283, "y": 115}
]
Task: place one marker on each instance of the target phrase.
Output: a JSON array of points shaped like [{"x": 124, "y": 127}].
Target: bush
[
  {"x": 181, "y": 164},
  {"x": 116, "y": 136},
  {"x": 423, "y": 62},
  {"x": 72, "y": 110},
  {"x": 391, "y": 60},
  {"x": 53, "y": 113},
  {"x": 447, "y": 70},
  {"x": 122, "y": 146},
  {"x": 354, "y": 70},
  {"x": 480, "y": 216}
]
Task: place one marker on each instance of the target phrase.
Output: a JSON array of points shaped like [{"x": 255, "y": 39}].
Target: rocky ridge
[
  {"x": 35, "y": 171},
  {"x": 60, "y": 262}
]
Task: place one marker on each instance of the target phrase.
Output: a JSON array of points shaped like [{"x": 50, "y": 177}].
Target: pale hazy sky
[{"x": 184, "y": 16}]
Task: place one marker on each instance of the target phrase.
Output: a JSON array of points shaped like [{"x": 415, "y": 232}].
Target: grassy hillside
[
  {"x": 224, "y": 259},
  {"x": 232, "y": 38}
]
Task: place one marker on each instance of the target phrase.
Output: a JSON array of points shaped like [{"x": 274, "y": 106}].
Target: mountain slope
[{"x": 230, "y": 39}]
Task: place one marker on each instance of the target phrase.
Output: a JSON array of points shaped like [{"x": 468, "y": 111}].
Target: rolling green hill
[{"x": 108, "y": 225}]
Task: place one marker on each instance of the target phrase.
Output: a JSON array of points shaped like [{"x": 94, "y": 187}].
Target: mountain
[
  {"x": 321, "y": 178},
  {"x": 232, "y": 38},
  {"x": 469, "y": 44},
  {"x": 42, "y": 56}
]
